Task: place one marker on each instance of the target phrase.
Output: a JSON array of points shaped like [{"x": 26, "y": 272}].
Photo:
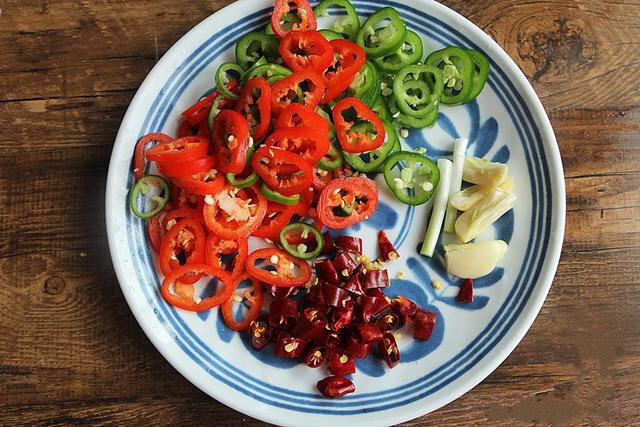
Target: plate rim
[{"x": 538, "y": 296}]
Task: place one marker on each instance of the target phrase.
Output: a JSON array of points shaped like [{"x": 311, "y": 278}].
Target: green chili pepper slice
[
  {"x": 330, "y": 35},
  {"x": 274, "y": 196},
  {"x": 252, "y": 46},
  {"x": 332, "y": 160},
  {"x": 481, "y": 68},
  {"x": 457, "y": 72},
  {"x": 215, "y": 109},
  {"x": 409, "y": 53},
  {"x": 266, "y": 71},
  {"x": 144, "y": 185},
  {"x": 332, "y": 128},
  {"x": 245, "y": 182},
  {"x": 418, "y": 89},
  {"x": 372, "y": 160},
  {"x": 306, "y": 249},
  {"x": 406, "y": 121},
  {"x": 411, "y": 177},
  {"x": 381, "y": 109},
  {"x": 347, "y": 25},
  {"x": 222, "y": 77},
  {"x": 382, "y": 33},
  {"x": 259, "y": 62},
  {"x": 366, "y": 85}
]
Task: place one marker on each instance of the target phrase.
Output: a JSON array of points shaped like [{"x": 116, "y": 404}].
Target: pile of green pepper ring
[{"x": 403, "y": 87}]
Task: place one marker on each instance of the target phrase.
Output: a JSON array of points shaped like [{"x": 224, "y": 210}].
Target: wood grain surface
[{"x": 70, "y": 350}]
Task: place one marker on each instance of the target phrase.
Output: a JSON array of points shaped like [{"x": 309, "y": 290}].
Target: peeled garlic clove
[
  {"x": 474, "y": 260},
  {"x": 480, "y": 171}
]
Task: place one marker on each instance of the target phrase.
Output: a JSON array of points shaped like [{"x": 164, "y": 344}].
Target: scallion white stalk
[
  {"x": 439, "y": 207},
  {"x": 459, "y": 151}
]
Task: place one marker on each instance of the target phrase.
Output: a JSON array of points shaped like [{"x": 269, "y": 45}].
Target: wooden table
[{"x": 70, "y": 350}]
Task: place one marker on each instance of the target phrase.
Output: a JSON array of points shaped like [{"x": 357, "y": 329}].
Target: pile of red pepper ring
[{"x": 248, "y": 170}]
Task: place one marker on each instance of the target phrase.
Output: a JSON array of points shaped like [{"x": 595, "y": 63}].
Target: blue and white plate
[{"x": 507, "y": 123}]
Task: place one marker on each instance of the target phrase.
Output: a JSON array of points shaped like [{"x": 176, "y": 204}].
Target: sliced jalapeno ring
[
  {"x": 381, "y": 110},
  {"x": 222, "y": 77},
  {"x": 411, "y": 177},
  {"x": 332, "y": 160},
  {"x": 408, "y": 54},
  {"x": 382, "y": 33},
  {"x": 310, "y": 240},
  {"x": 330, "y": 35},
  {"x": 274, "y": 196},
  {"x": 371, "y": 161},
  {"x": 346, "y": 25},
  {"x": 266, "y": 71},
  {"x": 144, "y": 185},
  {"x": 418, "y": 89},
  {"x": 252, "y": 46},
  {"x": 366, "y": 85},
  {"x": 245, "y": 182},
  {"x": 481, "y": 67},
  {"x": 332, "y": 129},
  {"x": 457, "y": 72},
  {"x": 246, "y": 75}
]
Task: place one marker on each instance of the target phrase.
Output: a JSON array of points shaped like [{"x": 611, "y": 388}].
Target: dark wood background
[{"x": 70, "y": 350}]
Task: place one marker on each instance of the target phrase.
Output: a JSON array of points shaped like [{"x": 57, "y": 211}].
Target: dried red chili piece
[
  {"x": 341, "y": 363},
  {"x": 329, "y": 246},
  {"x": 388, "y": 348},
  {"x": 335, "y": 386},
  {"x": 341, "y": 317},
  {"x": 425, "y": 324},
  {"x": 280, "y": 292},
  {"x": 289, "y": 347},
  {"x": 376, "y": 279},
  {"x": 333, "y": 295},
  {"x": 325, "y": 270},
  {"x": 261, "y": 332},
  {"x": 315, "y": 297},
  {"x": 283, "y": 313},
  {"x": 344, "y": 264},
  {"x": 312, "y": 324},
  {"x": 465, "y": 295},
  {"x": 350, "y": 244},
  {"x": 354, "y": 283},
  {"x": 315, "y": 357},
  {"x": 357, "y": 348},
  {"x": 405, "y": 309},
  {"x": 387, "y": 321},
  {"x": 387, "y": 251}
]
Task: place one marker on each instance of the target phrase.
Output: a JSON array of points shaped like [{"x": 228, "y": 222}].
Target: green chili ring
[
  {"x": 330, "y": 34},
  {"x": 481, "y": 67},
  {"x": 348, "y": 25},
  {"x": 300, "y": 250},
  {"x": 143, "y": 186},
  {"x": 381, "y": 109},
  {"x": 332, "y": 129},
  {"x": 457, "y": 71},
  {"x": 433, "y": 83},
  {"x": 378, "y": 42},
  {"x": 252, "y": 46},
  {"x": 366, "y": 84},
  {"x": 267, "y": 71},
  {"x": 248, "y": 74},
  {"x": 332, "y": 160},
  {"x": 274, "y": 196},
  {"x": 374, "y": 158},
  {"x": 399, "y": 59},
  {"x": 426, "y": 177},
  {"x": 222, "y": 78}
]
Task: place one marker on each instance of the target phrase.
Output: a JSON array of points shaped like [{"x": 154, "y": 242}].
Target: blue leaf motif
[
  {"x": 421, "y": 273},
  {"x": 373, "y": 365},
  {"x": 502, "y": 156},
  {"x": 486, "y": 137},
  {"x": 447, "y": 125},
  {"x": 417, "y": 140},
  {"x": 474, "y": 116},
  {"x": 504, "y": 226},
  {"x": 384, "y": 218},
  {"x": 419, "y": 349},
  {"x": 224, "y": 332},
  {"x": 490, "y": 279},
  {"x": 203, "y": 315}
]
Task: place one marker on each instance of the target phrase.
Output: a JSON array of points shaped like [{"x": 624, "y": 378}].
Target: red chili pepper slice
[
  {"x": 302, "y": 87},
  {"x": 344, "y": 264},
  {"x": 387, "y": 251},
  {"x": 347, "y": 201},
  {"x": 285, "y": 172},
  {"x": 257, "y": 298},
  {"x": 283, "y": 313},
  {"x": 341, "y": 364},
  {"x": 297, "y": 115},
  {"x": 305, "y": 18},
  {"x": 311, "y": 325},
  {"x": 202, "y": 183},
  {"x": 333, "y": 295},
  {"x": 277, "y": 217},
  {"x": 179, "y": 150},
  {"x": 424, "y": 324},
  {"x": 235, "y": 213},
  {"x": 335, "y": 386},
  {"x": 303, "y": 50},
  {"x": 321, "y": 179},
  {"x": 178, "y": 214},
  {"x": 186, "y": 273},
  {"x": 289, "y": 347},
  {"x": 342, "y": 316},
  {"x": 465, "y": 294},
  {"x": 193, "y": 167},
  {"x": 218, "y": 250},
  {"x": 230, "y": 139},
  {"x": 289, "y": 271},
  {"x": 261, "y": 332},
  {"x": 199, "y": 111},
  {"x": 187, "y": 129},
  {"x": 376, "y": 279},
  {"x": 387, "y": 321},
  {"x": 358, "y": 128},
  {"x": 315, "y": 357},
  {"x": 155, "y": 233},
  {"x": 184, "y": 240},
  {"x": 355, "y": 347},
  {"x": 349, "y": 58},
  {"x": 139, "y": 154},
  {"x": 255, "y": 105},
  {"x": 308, "y": 143},
  {"x": 354, "y": 283}
]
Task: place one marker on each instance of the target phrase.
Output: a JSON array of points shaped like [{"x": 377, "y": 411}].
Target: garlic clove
[{"x": 474, "y": 260}]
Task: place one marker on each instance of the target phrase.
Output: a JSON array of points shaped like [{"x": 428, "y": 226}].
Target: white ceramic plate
[{"x": 506, "y": 123}]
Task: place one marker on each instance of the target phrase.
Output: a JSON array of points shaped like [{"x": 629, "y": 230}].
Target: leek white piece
[
  {"x": 484, "y": 213},
  {"x": 440, "y": 203},
  {"x": 474, "y": 260},
  {"x": 480, "y": 171},
  {"x": 465, "y": 199},
  {"x": 459, "y": 151}
]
